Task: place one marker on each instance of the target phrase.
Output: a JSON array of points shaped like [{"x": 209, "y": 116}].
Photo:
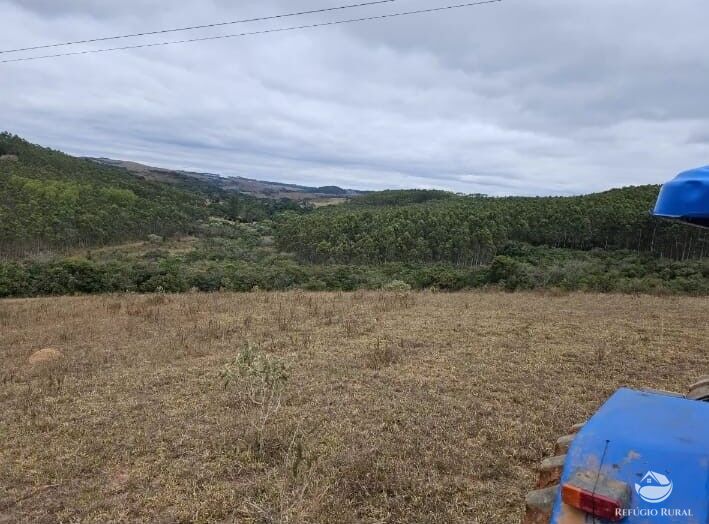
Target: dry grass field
[{"x": 411, "y": 408}]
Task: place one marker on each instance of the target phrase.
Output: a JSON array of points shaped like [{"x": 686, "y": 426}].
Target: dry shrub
[
  {"x": 157, "y": 300},
  {"x": 388, "y": 301},
  {"x": 358, "y": 295},
  {"x": 356, "y": 325},
  {"x": 285, "y": 315},
  {"x": 258, "y": 382},
  {"x": 381, "y": 353},
  {"x": 328, "y": 317},
  {"x": 350, "y": 326},
  {"x": 44, "y": 356},
  {"x": 114, "y": 307},
  {"x": 149, "y": 314},
  {"x": 298, "y": 491},
  {"x": 298, "y": 341},
  {"x": 212, "y": 329}
]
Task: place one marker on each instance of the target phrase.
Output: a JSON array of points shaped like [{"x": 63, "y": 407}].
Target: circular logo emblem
[{"x": 654, "y": 487}]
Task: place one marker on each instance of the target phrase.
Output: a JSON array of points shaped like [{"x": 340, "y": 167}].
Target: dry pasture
[{"x": 397, "y": 407}]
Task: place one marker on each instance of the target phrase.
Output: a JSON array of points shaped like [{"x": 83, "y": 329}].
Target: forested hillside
[
  {"x": 471, "y": 230},
  {"x": 52, "y": 200},
  {"x": 49, "y": 199},
  {"x": 69, "y": 226}
]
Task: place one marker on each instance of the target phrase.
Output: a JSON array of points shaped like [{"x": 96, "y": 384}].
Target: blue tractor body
[{"x": 658, "y": 445}]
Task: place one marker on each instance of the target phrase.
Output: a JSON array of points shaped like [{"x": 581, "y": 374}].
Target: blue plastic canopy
[{"x": 686, "y": 198}]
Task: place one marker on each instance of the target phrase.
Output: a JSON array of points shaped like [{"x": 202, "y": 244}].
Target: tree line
[
  {"x": 237, "y": 265},
  {"x": 470, "y": 230}
]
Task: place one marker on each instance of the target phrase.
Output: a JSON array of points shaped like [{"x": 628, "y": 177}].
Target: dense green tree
[
  {"x": 470, "y": 231},
  {"x": 48, "y": 199},
  {"x": 51, "y": 200}
]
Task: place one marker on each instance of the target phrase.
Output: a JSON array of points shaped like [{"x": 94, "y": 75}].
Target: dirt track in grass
[{"x": 411, "y": 408}]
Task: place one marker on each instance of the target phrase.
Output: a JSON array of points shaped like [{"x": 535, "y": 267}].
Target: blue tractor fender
[{"x": 657, "y": 445}]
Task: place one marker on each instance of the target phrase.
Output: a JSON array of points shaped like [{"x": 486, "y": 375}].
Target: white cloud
[{"x": 534, "y": 97}]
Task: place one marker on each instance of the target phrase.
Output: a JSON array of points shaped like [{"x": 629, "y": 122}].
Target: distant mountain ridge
[{"x": 249, "y": 186}]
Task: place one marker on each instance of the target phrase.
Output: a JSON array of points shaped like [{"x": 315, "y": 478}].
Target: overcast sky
[{"x": 520, "y": 97}]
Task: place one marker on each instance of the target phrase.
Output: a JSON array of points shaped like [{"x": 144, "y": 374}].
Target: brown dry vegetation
[{"x": 397, "y": 408}]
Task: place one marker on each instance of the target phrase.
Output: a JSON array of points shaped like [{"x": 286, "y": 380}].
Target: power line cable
[
  {"x": 253, "y": 33},
  {"x": 205, "y": 26}
]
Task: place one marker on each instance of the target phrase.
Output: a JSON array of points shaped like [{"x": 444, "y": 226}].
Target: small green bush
[
  {"x": 259, "y": 379},
  {"x": 396, "y": 285}
]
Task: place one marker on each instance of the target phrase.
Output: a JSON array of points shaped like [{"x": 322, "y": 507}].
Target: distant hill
[
  {"x": 50, "y": 200},
  {"x": 257, "y": 188}
]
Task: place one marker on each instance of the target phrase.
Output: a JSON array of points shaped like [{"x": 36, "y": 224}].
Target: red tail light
[
  {"x": 596, "y": 505},
  {"x": 597, "y": 495}
]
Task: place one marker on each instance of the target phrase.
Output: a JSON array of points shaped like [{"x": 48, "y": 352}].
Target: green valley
[{"x": 70, "y": 225}]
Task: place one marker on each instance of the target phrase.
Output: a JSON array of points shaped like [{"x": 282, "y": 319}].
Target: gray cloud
[{"x": 524, "y": 97}]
